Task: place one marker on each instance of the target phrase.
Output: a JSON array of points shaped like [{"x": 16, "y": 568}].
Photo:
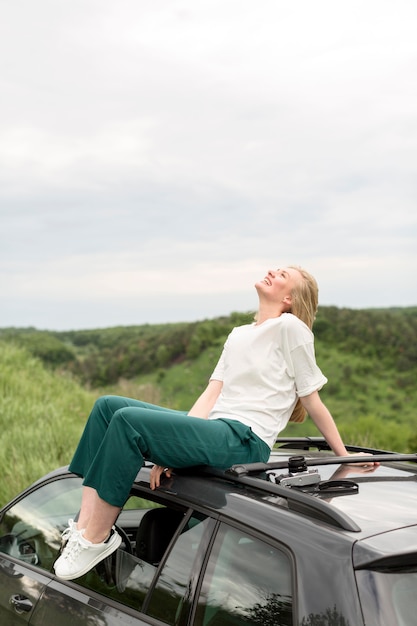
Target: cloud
[{"x": 188, "y": 147}]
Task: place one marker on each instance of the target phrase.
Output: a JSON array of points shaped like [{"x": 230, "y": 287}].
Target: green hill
[
  {"x": 41, "y": 417},
  {"x": 49, "y": 380}
]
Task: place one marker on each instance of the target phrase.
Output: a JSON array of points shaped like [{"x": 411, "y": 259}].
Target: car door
[
  {"x": 248, "y": 581},
  {"x": 20, "y": 590},
  {"x": 118, "y": 590},
  {"x": 150, "y": 578},
  {"x": 30, "y": 539}
]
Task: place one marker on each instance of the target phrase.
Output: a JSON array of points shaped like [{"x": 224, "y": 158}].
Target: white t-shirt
[{"x": 264, "y": 369}]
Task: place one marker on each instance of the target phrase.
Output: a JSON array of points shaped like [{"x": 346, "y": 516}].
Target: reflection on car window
[
  {"x": 389, "y": 597},
  {"x": 170, "y": 594},
  {"x": 31, "y": 529},
  {"x": 128, "y": 574},
  {"x": 247, "y": 582}
]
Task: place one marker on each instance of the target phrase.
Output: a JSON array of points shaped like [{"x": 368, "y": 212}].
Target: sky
[{"x": 158, "y": 157}]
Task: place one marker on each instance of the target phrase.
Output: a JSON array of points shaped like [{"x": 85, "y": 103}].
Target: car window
[
  {"x": 31, "y": 529},
  {"x": 172, "y": 588},
  {"x": 247, "y": 582},
  {"x": 389, "y": 597},
  {"x": 147, "y": 528},
  {"x": 127, "y": 575}
]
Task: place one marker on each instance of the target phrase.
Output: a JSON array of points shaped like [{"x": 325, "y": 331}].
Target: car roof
[
  {"x": 348, "y": 497},
  {"x": 384, "y": 498}
]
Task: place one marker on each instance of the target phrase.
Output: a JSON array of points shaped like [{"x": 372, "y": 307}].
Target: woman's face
[{"x": 278, "y": 284}]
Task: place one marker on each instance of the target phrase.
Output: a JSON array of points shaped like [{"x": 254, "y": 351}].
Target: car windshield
[{"x": 389, "y": 598}]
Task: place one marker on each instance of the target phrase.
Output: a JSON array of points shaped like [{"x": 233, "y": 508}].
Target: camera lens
[{"x": 297, "y": 464}]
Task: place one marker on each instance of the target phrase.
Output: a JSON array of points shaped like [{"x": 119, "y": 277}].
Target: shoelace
[
  {"x": 73, "y": 548},
  {"x": 69, "y": 532}
]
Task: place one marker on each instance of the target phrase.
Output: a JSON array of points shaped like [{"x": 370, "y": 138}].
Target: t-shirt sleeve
[
  {"x": 307, "y": 374},
  {"x": 300, "y": 357}
]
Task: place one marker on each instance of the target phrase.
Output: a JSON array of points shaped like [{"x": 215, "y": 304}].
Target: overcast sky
[{"x": 157, "y": 157}]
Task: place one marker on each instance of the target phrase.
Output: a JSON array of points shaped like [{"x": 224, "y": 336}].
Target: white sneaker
[{"x": 80, "y": 556}]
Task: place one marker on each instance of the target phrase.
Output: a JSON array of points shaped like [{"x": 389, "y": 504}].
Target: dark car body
[{"x": 314, "y": 543}]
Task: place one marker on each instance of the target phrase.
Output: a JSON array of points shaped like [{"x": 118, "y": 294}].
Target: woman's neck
[{"x": 267, "y": 313}]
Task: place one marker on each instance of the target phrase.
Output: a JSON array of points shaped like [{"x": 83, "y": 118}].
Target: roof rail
[
  {"x": 306, "y": 443},
  {"x": 297, "y": 500},
  {"x": 255, "y": 468},
  {"x": 304, "y": 502},
  {"x": 302, "y": 443},
  {"x": 307, "y": 503}
]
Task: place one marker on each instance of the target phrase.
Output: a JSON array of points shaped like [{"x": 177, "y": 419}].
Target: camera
[{"x": 298, "y": 474}]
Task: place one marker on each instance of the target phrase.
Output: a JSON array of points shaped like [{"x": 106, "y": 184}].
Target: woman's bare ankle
[{"x": 96, "y": 538}]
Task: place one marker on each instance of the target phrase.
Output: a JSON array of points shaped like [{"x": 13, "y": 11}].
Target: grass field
[
  {"x": 41, "y": 417},
  {"x": 43, "y": 409}
]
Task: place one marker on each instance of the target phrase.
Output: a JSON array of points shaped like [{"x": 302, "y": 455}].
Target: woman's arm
[
  {"x": 207, "y": 400},
  {"x": 324, "y": 421}
]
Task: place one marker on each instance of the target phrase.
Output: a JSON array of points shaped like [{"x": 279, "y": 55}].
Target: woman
[{"x": 266, "y": 375}]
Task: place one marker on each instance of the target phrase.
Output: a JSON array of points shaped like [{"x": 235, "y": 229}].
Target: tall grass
[{"x": 41, "y": 418}]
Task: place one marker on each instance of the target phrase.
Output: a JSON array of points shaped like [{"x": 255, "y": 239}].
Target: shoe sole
[{"x": 112, "y": 547}]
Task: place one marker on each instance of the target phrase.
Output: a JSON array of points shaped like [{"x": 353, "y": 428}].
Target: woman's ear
[{"x": 287, "y": 304}]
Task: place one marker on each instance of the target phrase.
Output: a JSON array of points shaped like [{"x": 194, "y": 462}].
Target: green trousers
[{"x": 121, "y": 432}]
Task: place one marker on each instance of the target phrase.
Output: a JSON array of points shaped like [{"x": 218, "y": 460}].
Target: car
[{"x": 306, "y": 539}]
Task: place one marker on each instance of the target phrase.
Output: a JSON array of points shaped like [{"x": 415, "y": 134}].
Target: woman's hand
[
  {"x": 156, "y": 473},
  {"x": 353, "y": 468},
  {"x": 370, "y": 465}
]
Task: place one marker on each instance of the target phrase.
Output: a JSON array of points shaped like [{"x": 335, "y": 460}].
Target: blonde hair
[
  {"x": 305, "y": 297},
  {"x": 304, "y": 305}
]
